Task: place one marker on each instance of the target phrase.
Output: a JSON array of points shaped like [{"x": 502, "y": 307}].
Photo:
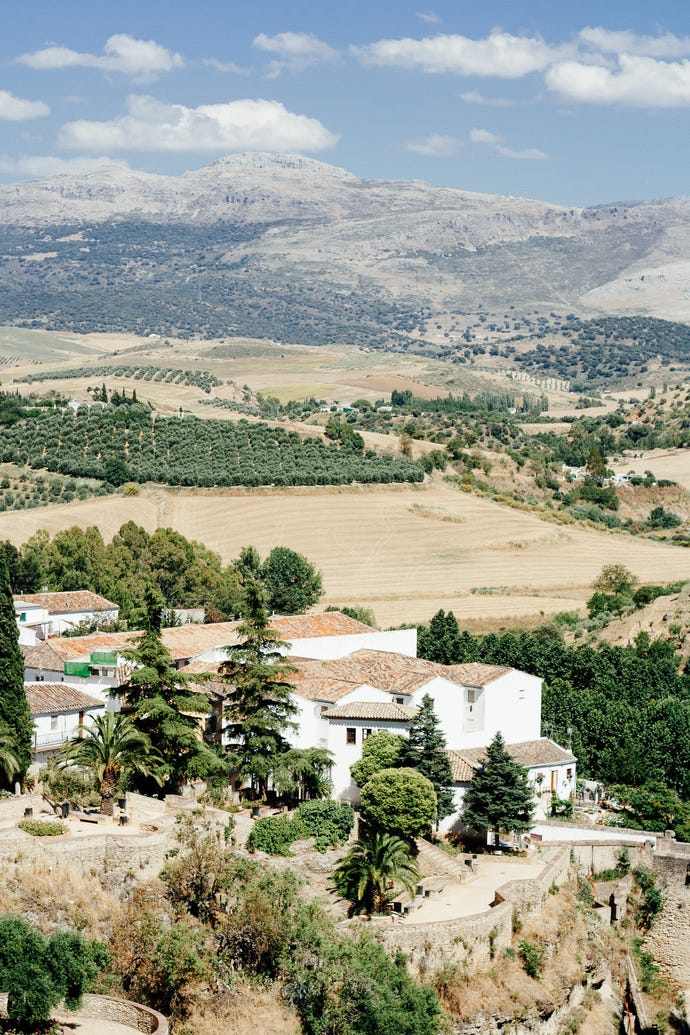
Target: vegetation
[
  {"x": 9, "y": 763},
  {"x": 329, "y": 822},
  {"x": 38, "y": 973},
  {"x": 381, "y": 750},
  {"x": 111, "y": 747},
  {"x": 628, "y": 708},
  {"x": 189, "y": 452},
  {"x": 42, "y": 827},
  {"x": 259, "y": 709},
  {"x": 196, "y": 378},
  {"x": 15, "y": 715},
  {"x": 400, "y": 802},
  {"x": 425, "y": 751},
  {"x": 374, "y": 871},
  {"x": 499, "y": 797},
  {"x": 532, "y": 955},
  {"x": 164, "y": 709},
  {"x": 292, "y": 583}
]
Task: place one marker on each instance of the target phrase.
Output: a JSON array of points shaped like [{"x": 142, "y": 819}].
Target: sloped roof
[
  {"x": 56, "y": 698},
  {"x": 394, "y": 673},
  {"x": 373, "y": 710},
  {"x": 67, "y": 603},
  {"x": 188, "y": 641},
  {"x": 41, "y": 655},
  {"x": 529, "y": 753},
  {"x": 461, "y": 769}
]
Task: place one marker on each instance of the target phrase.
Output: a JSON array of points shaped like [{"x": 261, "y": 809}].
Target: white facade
[{"x": 57, "y": 711}]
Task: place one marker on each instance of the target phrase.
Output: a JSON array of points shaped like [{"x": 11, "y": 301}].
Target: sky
[{"x": 576, "y": 103}]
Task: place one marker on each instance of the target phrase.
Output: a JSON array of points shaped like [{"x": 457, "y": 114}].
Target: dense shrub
[{"x": 42, "y": 827}]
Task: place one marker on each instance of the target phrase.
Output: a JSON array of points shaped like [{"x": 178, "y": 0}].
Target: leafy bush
[
  {"x": 532, "y": 956},
  {"x": 651, "y": 900},
  {"x": 275, "y": 834},
  {"x": 42, "y": 827},
  {"x": 330, "y": 822},
  {"x": 660, "y": 518}
]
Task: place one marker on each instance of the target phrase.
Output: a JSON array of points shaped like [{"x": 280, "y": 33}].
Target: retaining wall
[{"x": 107, "y": 1008}]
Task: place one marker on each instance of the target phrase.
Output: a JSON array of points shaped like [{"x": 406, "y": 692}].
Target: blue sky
[{"x": 572, "y": 102}]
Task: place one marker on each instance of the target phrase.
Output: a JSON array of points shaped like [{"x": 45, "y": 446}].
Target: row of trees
[
  {"x": 185, "y": 573},
  {"x": 191, "y": 451}
]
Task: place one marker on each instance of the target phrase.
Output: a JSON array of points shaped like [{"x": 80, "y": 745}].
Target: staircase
[{"x": 433, "y": 862}]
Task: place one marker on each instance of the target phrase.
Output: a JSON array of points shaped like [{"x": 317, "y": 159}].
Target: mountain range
[{"x": 291, "y": 248}]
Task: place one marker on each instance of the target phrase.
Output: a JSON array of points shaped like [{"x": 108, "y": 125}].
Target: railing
[{"x": 54, "y": 739}]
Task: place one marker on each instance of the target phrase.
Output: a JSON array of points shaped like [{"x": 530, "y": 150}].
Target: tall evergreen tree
[
  {"x": 499, "y": 797},
  {"x": 425, "y": 750},
  {"x": 163, "y": 706},
  {"x": 15, "y": 713},
  {"x": 259, "y": 705}
]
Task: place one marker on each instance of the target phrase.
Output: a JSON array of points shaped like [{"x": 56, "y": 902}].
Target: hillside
[{"x": 296, "y": 250}]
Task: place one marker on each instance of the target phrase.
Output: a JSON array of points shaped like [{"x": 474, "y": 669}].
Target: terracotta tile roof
[
  {"x": 394, "y": 673},
  {"x": 67, "y": 603},
  {"x": 462, "y": 770},
  {"x": 200, "y": 668},
  {"x": 529, "y": 753},
  {"x": 54, "y": 698},
  {"x": 188, "y": 641},
  {"x": 372, "y": 710},
  {"x": 474, "y": 674},
  {"x": 41, "y": 655}
]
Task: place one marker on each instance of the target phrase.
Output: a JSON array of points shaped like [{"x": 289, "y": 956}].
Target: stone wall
[
  {"x": 107, "y": 1008},
  {"x": 472, "y": 941},
  {"x": 99, "y": 854}
]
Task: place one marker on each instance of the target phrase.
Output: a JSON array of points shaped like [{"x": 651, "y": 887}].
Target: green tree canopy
[
  {"x": 163, "y": 706},
  {"x": 39, "y": 973},
  {"x": 425, "y": 751},
  {"x": 615, "y": 578},
  {"x": 374, "y": 870},
  {"x": 259, "y": 706},
  {"x": 293, "y": 584},
  {"x": 380, "y": 751},
  {"x": 110, "y": 747},
  {"x": 400, "y": 802},
  {"x": 499, "y": 797},
  {"x": 15, "y": 714}
]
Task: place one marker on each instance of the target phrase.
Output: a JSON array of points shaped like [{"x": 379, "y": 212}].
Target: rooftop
[
  {"x": 529, "y": 753},
  {"x": 373, "y": 710},
  {"x": 54, "y": 698},
  {"x": 67, "y": 603}
]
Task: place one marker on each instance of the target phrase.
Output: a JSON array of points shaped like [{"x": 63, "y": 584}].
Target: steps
[{"x": 433, "y": 862}]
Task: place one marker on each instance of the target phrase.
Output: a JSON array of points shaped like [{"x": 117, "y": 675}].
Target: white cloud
[
  {"x": 492, "y": 140},
  {"x": 475, "y": 97},
  {"x": 623, "y": 41},
  {"x": 483, "y": 136},
  {"x": 141, "y": 59},
  {"x": 500, "y": 54},
  {"x": 243, "y": 125},
  {"x": 43, "y": 166},
  {"x": 638, "y": 81},
  {"x": 436, "y": 145},
  {"x": 429, "y": 17},
  {"x": 294, "y": 51},
  {"x": 16, "y": 109},
  {"x": 225, "y": 66}
]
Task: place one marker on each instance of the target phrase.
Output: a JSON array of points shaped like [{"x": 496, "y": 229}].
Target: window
[
  {"x": 53, "y": 722},
  {"x": 324, "y": 709},
  {"x": 399, "y": 700},
  {"x": 471, "y": 696},
  {"x": 366, "y": 732},
  {"x": 351, "y": 735}
]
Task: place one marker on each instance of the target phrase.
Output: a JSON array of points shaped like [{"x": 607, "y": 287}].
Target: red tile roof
[
  {"x": 67, "y": 603},
  {"x": 372, "y": 710},
  {"x": 529, "y": 753},
  {"x": 56, "y": 698}
]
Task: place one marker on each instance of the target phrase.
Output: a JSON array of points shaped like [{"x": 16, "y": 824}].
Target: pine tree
[
  {"x": 15, "y": 714},
  {"x": 499, "y": 797},
  {"x": 425, "y": 750},
  {"x": 259, "y": 705},
  {"x": 163, "y": 706}
]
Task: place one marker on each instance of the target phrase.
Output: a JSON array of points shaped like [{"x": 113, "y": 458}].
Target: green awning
[
  {"x": 77, "y": 668},
  {"x": 104, "y": 657}
]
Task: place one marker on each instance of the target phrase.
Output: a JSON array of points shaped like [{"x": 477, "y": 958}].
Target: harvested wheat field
[{"x": 402, "y": 551}]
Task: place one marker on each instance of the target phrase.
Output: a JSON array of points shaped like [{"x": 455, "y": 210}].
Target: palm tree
[
  {"x": 110, "y": 747},
  {"x": 373, "y": 870},
  {"x": 9, "y": 763}
]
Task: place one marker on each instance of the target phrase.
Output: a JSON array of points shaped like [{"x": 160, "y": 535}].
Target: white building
[
  {"x": 52, "y": 614},
  {"x": 57, "y": 712}
]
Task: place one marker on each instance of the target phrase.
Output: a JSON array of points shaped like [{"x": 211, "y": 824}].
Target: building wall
[
  {"x": 51, "y": 731},
  {"x": 345, "y": 754},
  {"x": 327, "y": 648},
  {"x": 513, "y": 707}
]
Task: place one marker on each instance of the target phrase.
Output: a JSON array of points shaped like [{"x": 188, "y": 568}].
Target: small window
[
  {"x": 471, "y": 696},
  {"x": 53, "y": 722},
  {"x": 399, "y": 700},
  {"x": 324, "y": 709},
  {"x": 521, "y": 694},
  {"x": 366, "y": 732},
  {"x": 351, "y": 735}
]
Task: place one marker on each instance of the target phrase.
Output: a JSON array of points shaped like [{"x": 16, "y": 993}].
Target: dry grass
[{"x": 241, "y": 1011}]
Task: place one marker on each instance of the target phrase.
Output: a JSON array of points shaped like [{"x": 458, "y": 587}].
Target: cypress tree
[
  {"x": 15, "y": 714},
  {"x": 425, "y": 750},
  {"x": 499, "y": 797}
]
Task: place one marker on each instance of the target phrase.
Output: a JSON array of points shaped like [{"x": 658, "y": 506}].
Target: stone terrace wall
[
  {"x": 471, "y": 940},
  {"x": 105, "y": 855},
  {"x": 106, "y": 1008}
]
